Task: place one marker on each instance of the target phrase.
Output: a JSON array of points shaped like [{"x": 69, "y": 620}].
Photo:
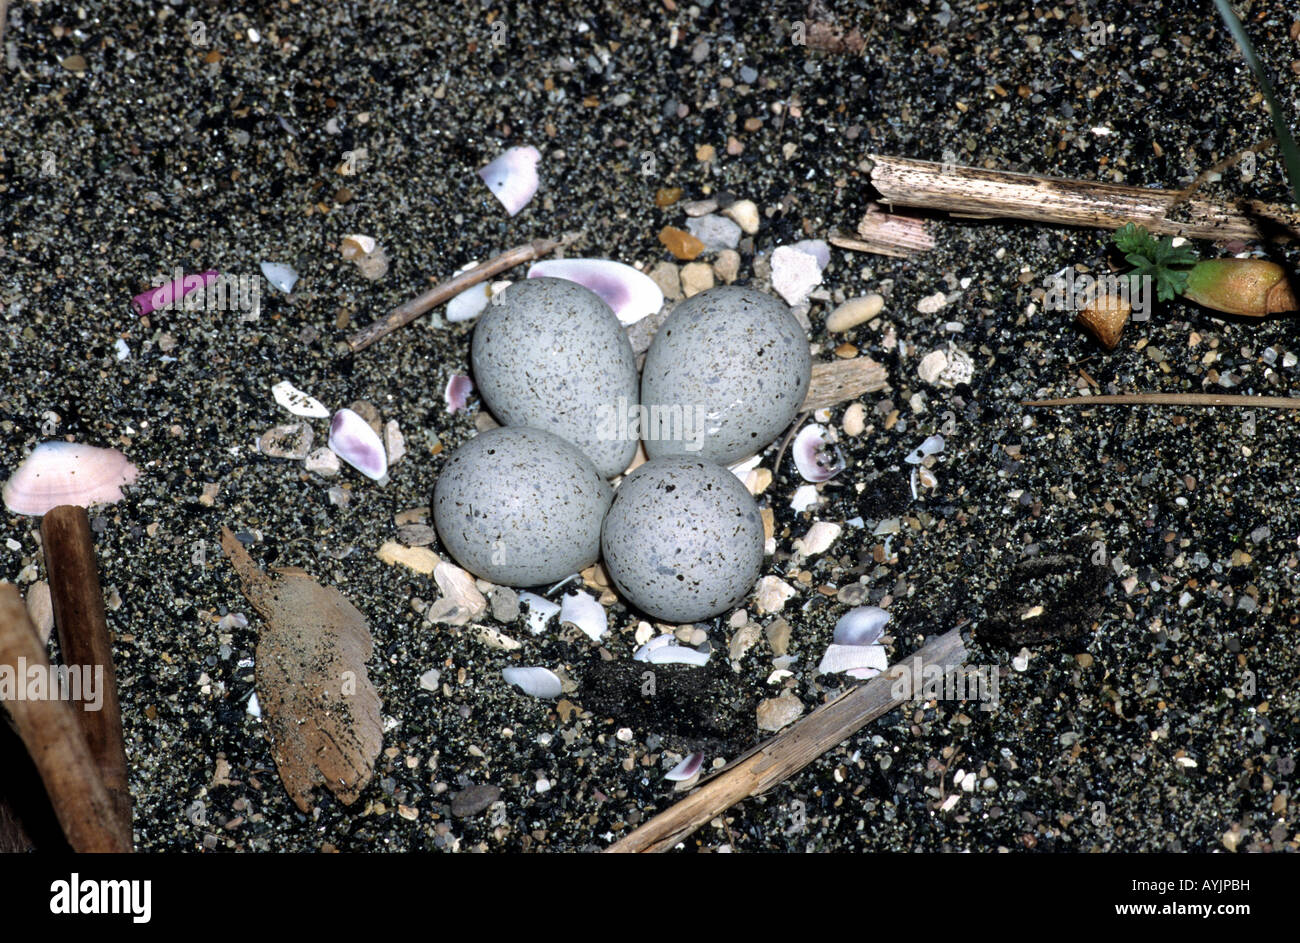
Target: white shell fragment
[
  {"x": 352, "y": 440},
  {"x": 861, "y": 626},
  {"x": 280, "y": 275},
  {"x": 815, "y": 456},
  {"x": 67, "y": 473},
  {"x": 688, "y": 768},
  {"x": 298, "y": 402},
  {"x": 663, "y": 650},
  {"x": 356, "y": 246},
  {"x": 818, "y": 539},
  {"x": 841, "y": 658},
  {"x": 805, "y": 497},
  {"x": 469, "y": 304},
  {"x": 931, "y": 446},
  {"x": 512, "y": 177},
  {"x": 797, "y": 269},
  {"x": 631, "y": 294},
  {"x": 534, "y": 681},
  {"x": 582, "y": 610},
  {"x": 540, "y": 611}
]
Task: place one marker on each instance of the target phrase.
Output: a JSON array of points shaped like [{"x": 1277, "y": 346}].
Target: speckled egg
[
  {"x": 549, "y": 353},
  {"x": 520, "y": 507},
  {"x": 730, "y": 368},
  {"x": 683, "y": 540}
]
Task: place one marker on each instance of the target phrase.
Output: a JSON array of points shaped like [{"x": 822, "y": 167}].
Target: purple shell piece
[{"x": 352, "y": 440}]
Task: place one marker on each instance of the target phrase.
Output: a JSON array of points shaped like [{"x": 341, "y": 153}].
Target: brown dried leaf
[
  {"x": 322, "y": 710},
  {"x": 843, "y": 379}
]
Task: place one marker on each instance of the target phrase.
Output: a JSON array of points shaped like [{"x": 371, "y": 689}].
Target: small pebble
[
  {"x": 716, "y": 232},
  {"x": 287, "y": 441},
  {"x": 680, "y": 243},
  {"x": 696, "y": 277},
  {"x": 777, "y": 712},
  {"x": 727, "y": 266},
  {"x": 854, "y": 312},
  {"x": 855, "y": 419},
  {"x": 745, "y": 215}
]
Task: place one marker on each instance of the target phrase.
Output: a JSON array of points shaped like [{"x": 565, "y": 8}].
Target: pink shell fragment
[
  {"x": 815, "y": 457},
  {"x": 631, "y": 294},
  {"x": 457, "y": 393},
  {"x": 58, "y": 473},
  {"x": 169, "y": 296},
  {"x": 352, "y": 440},
  {"x": 512, "y": 177},
  {"x": 688, "y": 768}
]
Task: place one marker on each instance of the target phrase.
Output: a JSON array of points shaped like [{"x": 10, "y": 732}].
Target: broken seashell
[
  {"x": 512, "y": 177},
  {"x": 298, "y": 402},
  {"x": 688, "y": 768},
  {"x": 535, "y": 681},
  {"x": 818, "y": 539},
  {"x": 861, "y": 626},
  {"x": 353, "y": 440},
  {"x": 354, "y": 247},
  {"x": 631, "y": 294},
  {"x": 841, "y": 658},
  {"x": 805, "y": 497},
  {"x": 815, "y": 456},
  {"x": 540, "y": 610},
  {"x": 582, "y": 610},
  {"x": 457, "y": 392},
  {"x": 280, "y": 275},
  {"x": 58, "y": 473},
  {"x": 469, "y": 304},
  {"x": 931, "y": 446}
]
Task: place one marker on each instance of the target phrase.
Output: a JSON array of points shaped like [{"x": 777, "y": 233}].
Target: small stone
[
  {"x": 680, "y": 243},
  {"x": 420, "y": 559},
  {"x": 416, "y": 535},
  {"x": 855, "y": 419},
  {"x": 794, "y": 274},
  {"x": 932, "y": 366},
  {"x": 734, "y": 146},
  {"x": 745, "y": 214},
  {"x": 854, "y": 312},
  {"x": 667, "y": 196},
  {"x": 696, "y": 277},
  {"x": 429, "y": 680},
  {"x": 474, "y": 800},
  {"x": 505, "y": 604},
  {"x": 699, "y": 207},
  {"x": 778, "y": 636},
  {"x": 322, "y": 462},
  {"x": 932, "y": 303},
  {"x": 772, "y": 594},
  {"x": 370, "y": 414},
  {"x": 288, "y": 441},
  {"x": 716, "y": 232},
  {"x": 777, "y": 712},
  {"x": 745, "y": 638},
  {"x": 668, "y": 277},
  {"x": 705, "y": 153},
  {"x": 75, "y": 63},
  {"x": 394, "y": 442},
  {"x": 727, "y": 265}
]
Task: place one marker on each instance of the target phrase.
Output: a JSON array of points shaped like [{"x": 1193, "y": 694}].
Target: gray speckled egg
[
  {"x": 520, "y": 507},
  {"x": 730, "y": 368},
  {"x": 549, "y": 353},
  {"x": 683, "y": 540}
]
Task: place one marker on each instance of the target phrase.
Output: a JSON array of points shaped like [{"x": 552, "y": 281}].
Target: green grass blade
[{"x": 1290, "y": 153}]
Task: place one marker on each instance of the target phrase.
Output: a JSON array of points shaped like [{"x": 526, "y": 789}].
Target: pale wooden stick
[
  {"x": 786, "y": 753},
  {"x": 970, "y": 191},
  {"x": 1171, "y": 399},
  {"x": 54, "y": 738},
  {"x": 405, "y": 314},
  {"x": 840, "y": 380}
]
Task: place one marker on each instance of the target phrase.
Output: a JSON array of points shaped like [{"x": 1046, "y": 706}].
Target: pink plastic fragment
[{"x": 170, "y": 295}]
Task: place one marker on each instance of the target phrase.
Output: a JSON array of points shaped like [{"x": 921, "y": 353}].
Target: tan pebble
[
  {"x": 932, "y": 303},
  {"x": 778, "y": 636},
  {"x": 769, "y": 523},
  {"x": 753, "y": 124},
  {"x": 734, "y": 147},
  {"x": 680, "y": 243},
  {"x": 855, "y": 311},
  {"x": 772, "y": 594},
  {"x": 758, "y": 481},
  {"x": 420, "y": 559},
  {"x": 745, "y": 638},
  {"x": 667, "y": 196},
  {"x": 706, "y": 152},
  {"x": 777, "y": 712},
  {"x": 855, "y": 419},
  {"x": 932, "y": 366},
  {"x": 696, "y": 277},
  {"x": 727, "y": 266},
  {"x": 744, "y": 214},
  {"x": 669, "y": 279},
  {"x": 846, "y": 351}
]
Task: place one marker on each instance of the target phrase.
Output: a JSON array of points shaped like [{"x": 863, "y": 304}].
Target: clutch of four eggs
[{"x": 529, "y": 503}]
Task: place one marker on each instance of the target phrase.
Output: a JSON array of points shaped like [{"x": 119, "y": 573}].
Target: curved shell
[{"x": 58, "y": 473}]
